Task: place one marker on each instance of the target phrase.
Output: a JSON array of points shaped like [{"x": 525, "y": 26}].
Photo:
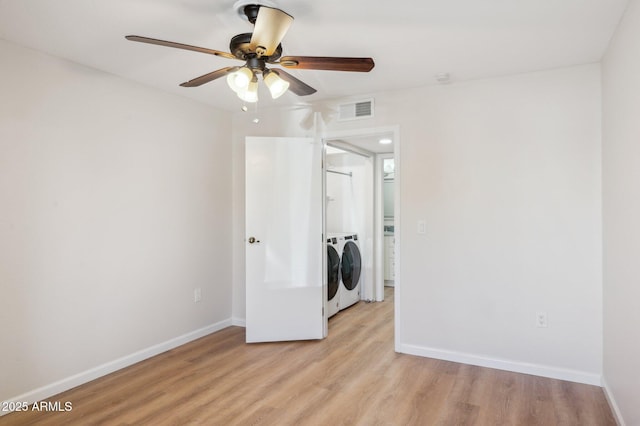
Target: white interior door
[{"x": 283, "y": 240}]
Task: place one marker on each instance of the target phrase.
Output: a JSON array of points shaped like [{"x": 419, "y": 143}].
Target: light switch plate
[{"x": 422, "y": 227}]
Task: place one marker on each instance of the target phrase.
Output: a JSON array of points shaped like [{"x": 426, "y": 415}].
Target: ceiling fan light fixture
[
  {"x": 239, "y": 80},
  {"x": 258, "y": 48},
  {"x": 277, "y": 86}
]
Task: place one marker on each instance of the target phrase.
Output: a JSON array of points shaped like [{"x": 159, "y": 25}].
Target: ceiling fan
[{"x": 260, "y": 48}]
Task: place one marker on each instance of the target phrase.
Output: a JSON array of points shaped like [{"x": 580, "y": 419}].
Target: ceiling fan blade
[
  {"x": 199, "y": 81},
  {"x": 270, "y": 27},
  {"x": 179, "y": 46},
  {"x": 296, "y": 86},
  {"x": 329, "y": 63}
]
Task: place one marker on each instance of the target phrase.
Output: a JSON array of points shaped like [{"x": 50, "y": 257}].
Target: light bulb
[
  {"x": 250, "y": 94},
  {"x": 240, "y": 79},
  {"x": 277, "y": 86}
]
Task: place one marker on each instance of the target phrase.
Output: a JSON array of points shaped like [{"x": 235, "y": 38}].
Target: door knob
[{"x": 253, "y": 240}]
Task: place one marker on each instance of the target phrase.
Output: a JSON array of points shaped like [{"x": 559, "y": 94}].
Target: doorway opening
[{"x": 361, "y": 176}]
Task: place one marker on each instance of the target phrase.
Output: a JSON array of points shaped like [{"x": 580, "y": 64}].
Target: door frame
[
  {"x": 379, "y": 218},
  {"x": 380, "y": 209}
]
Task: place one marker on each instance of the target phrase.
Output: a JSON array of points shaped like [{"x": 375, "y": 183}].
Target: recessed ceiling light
[{"x": 385, "y": 141}]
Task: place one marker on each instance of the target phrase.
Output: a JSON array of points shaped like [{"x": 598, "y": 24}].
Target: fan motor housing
[{"x": 240, "y": 47}]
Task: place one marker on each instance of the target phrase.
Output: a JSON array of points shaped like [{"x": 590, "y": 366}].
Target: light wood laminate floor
[{"x": 353, "y": 377}]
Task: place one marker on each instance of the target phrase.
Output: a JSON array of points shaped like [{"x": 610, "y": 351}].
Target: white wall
[
  {"x": 506, "y": 173},
  {"x": 621, "y": 210},
  {"x": 114, "y": 206}
]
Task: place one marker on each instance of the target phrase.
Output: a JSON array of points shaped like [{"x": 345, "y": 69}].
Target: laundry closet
[{"x": 349, "y": 188}]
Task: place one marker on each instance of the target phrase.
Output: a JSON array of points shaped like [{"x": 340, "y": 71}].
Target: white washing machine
[
  {"x": 350, "y": 270},
  {"x": 333, "y": 276}
]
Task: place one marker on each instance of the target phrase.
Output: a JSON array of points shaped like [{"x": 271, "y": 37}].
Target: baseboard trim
[
  {"x": 55, "y": 388},
  {"x": 612, "y": 403},
  {"x": 501, "y": 364},
  {"x": 240, "y": 322}
]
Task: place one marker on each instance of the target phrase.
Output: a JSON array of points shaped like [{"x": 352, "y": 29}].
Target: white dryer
[
  {"x": 333, "y": 276},
  {"x": 350, "y": 270}
]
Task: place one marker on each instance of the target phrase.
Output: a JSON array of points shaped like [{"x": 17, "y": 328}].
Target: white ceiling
[{"x": 411, "y": 41}]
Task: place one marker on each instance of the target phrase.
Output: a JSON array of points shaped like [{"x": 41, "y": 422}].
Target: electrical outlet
[
  {"x": 541, "y": 319},
  {"x": 197, "y": 295}
]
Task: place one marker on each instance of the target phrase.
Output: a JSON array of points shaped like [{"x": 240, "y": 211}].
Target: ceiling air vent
[{"x": 356, "y": 110}]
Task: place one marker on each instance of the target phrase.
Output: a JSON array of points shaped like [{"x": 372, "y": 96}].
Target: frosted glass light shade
[
  {"x": 250, "y": 94},
  {"x": 240, "y": 79},
  {"x": 277, "y": 86}
]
